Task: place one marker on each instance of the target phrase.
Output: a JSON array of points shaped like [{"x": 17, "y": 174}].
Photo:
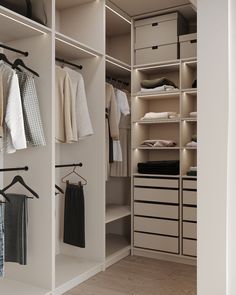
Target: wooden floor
[{"x": 141, "y": 276}]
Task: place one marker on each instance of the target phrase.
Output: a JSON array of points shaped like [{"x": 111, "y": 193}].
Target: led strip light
[{"x": 121, "y": 16}]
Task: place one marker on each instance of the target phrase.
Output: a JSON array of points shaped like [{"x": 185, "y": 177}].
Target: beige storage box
[
  {"x": 156, "y": 38},
  {"x": 159, "y": 30},
  {"x": 156, "y": 54},
  {"x": 188, "y": 45},
  {"x": 189, "y": 247}
]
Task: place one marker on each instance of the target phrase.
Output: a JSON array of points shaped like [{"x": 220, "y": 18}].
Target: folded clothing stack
[
  {"x": 155, "y": 85},
  {"x": 192, "y": 171},
  {"x": 193, "y": 142},
  {"x": 158, "y": 143},
  {"x": 159, "y": 167},
  {"x": 161, "y": 115}
]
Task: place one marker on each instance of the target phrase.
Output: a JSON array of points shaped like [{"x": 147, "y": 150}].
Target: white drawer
[
  {"x": 190, "y": 230},
  {"x": 156, "y": 226},
  {"x": 189, "y": 198},
  {"x": 189, "y": 247},
  {"x": 190, "y": 184},
  {"x": 156, "y": 33},
  {"x": 156, "y": 182},
  {"x": 188, "y": 45},
  {"x": 155, "y": 242},
  {"x": 156, "y": 210},
  {"x": 156, "y": 54},
  {"x": 189, "y": 213},
  {"x": 156, "y": 195}
]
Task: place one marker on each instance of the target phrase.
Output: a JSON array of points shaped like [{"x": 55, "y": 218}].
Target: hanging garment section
[
  {"x": 14, "y": 223},
  {"x": 74, "y": 208},
  {"x": 20, "y": 118},
  {"x": 117, "y": 131},
  {"x": 72, "y": 115}
]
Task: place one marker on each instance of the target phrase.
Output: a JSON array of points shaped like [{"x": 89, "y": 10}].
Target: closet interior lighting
[
  {"x": 22, "y": 23},
  {"x": 154, "y": 95},
  {"x": 157, "y": 67},
  {"x": 121, "y": 16},
  {"x": 77, "y": 47},
  {"x": 116, "y": 64},
  {"x": 190, "y": 62}
]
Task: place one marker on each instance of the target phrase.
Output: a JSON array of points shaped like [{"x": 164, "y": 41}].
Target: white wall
[
  {"x": 213, "y": 110},
  {"x": 231, "y": 236}
]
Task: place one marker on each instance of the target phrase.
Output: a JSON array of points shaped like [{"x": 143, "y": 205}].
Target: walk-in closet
[{"x": 117, "y": 95}]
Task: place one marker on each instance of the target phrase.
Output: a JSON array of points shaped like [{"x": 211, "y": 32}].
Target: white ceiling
[{"x": 136, "y": 7}]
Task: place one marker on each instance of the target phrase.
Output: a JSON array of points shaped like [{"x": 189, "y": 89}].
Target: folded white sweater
[{"x": 161, "y": 115}]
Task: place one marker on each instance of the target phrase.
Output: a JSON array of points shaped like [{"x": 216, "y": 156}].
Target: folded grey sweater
[{"x": 156, "y": 83}]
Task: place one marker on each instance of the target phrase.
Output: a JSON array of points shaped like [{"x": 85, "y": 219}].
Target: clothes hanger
[
  {"x": 19, "y": 179},
  {"x": 19, "y": 62},
  {"x": 4, "y": 195},
  {"x": 5, "y": 59},
  {"x": 60, "y": 190},
  {"x": 74, "y": 172}
]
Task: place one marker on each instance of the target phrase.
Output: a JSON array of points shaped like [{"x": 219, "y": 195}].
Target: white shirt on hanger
[
  {"x": 14, "y": 133},
  {"x": 84, "y": 125}
]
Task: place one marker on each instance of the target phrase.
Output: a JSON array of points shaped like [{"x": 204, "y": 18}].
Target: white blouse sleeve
[{"x": 14, "y": 120}]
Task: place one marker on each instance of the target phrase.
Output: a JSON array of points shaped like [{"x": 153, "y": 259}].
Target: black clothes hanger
[
  {"x": 19, "y": 179},
  {"x": 5, "y": 197},
  {"x": 60, "y": 190},
  {"x": 19, "y": 62},
  {"x": 74, "y": 172},
  {"x": 5, "y": 59}
]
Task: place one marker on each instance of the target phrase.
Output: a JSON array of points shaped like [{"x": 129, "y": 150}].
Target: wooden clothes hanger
[
  {"x": 19, "y": 179},
  {"x": 74, "y": 172}
]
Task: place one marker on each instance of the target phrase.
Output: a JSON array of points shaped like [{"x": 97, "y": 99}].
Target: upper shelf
[
  {"x": 62, "y": 4},
  {"x": 161, "y": 67},
  {"x": 71, "y": 49},
  {"x": 14, "y": 26},
  {"x": 117, "y": 68}
]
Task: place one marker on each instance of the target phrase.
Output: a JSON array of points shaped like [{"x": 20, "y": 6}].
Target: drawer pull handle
[
  {"x": 154, "y": 47},
  {"x": 194, "y": 41},
  {"x": 154, "y": 24}
]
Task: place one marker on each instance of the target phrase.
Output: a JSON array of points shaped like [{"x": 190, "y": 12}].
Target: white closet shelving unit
[
  {"x": 98, "y": 36},
  {"x": 118, "y": 192}
]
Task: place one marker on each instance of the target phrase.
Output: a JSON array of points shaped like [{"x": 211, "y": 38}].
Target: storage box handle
[
  {"x": 154, "y": 24},
  {"x": 194, "y": 41},
  {"x": 154, "y": 47}
]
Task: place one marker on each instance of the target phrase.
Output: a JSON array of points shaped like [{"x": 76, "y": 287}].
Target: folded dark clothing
[
  {"x": 192, "y": 173},
  {"x": 194, "y": 138},
  {"x": 159, "y": 167},
  {"x": 194, "y": 85},
  {"x": 149, "y": 84}
]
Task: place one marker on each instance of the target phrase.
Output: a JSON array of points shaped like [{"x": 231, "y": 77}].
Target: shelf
[
  {"x": 163, "y": 121},
  {"x": 117, "y": 248},
  {"x": 15, "y": 26},
  {"x": 71, "y": 271},
  {"x": 157, "y": 148},
  {"x": 161, "y": 67},
  {"x": 71, "y": 49},
  {"x": 14, "y": 287},
  {"x": 189, "y": 119},
  {"x": 192, "y": 63},
  {"x": 62, "y": 4},
  {"x": 192, "y": 92},
  {"x": 156, "y": 175},
  {"x": 116, "y": 68},
  {"x": 157, "y": 95},
  {"x": 189, "y": 177},
  {"x": 189, "y": 90},
  {"x": 116, "y": 24},
  {"x": 115, "y": 212}
]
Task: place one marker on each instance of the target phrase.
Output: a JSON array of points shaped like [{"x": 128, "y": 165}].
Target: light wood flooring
[{"x": 141, "y": 276}]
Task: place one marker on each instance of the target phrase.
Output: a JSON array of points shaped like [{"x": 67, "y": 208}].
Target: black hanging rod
[
  {"x": 69, "y": 165},
  {"x": 117, "y": 80},
  {"x": 26, "y": 168},
  {"x": 25, "y": 53},
  {"x": 69, "y": 63}
]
